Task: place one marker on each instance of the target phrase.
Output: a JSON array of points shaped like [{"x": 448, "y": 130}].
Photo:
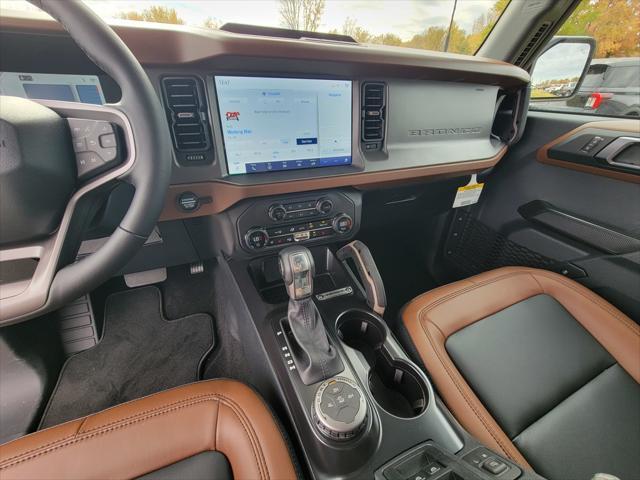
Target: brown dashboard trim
[
  {"x": 626, "y": 125},
  {"x": 225, "y": 194}
]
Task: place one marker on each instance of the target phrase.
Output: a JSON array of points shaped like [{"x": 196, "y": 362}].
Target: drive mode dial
[{"x": 339, "y": 408}]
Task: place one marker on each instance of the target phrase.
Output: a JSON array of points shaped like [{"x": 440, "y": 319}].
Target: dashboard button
[
  {"x": 494, "y": 466},
  {"x": 343, "y": 223},
  {"x": 188, "y": 201},
  {"x": 324, "y": 206},
  {"x": 257, "y": 238},
  {"x": 277, "y": 213}
]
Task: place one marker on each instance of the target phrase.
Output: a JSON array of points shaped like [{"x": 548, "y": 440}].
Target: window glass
[
  {"x": 623, "y": 76},
  {"x": 458, "y": 26},
  {"x": 611, "y": 86},
  {"x": 595, "y": 76}
]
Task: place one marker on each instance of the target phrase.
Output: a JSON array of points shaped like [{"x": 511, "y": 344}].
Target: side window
[{"x": 611, "y": 84}]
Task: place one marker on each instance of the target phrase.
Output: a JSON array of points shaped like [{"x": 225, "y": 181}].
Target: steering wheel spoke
[{"x": 103, "y": 133}]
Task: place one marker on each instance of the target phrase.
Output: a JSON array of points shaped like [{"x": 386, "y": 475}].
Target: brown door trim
[{"x": 626, "y": 125}]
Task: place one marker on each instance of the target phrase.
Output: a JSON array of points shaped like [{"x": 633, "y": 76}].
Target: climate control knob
[
  {"x": 277, "y": 213},
  {"x": 324, "y": 206},
  {"x": 256, "y": 238},
  {"x": 343, "y": 224}
]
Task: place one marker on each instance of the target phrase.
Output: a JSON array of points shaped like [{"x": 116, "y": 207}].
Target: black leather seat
[{"x": 537, "y": 367}]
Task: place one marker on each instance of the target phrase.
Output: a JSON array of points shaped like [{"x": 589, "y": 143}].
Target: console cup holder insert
[{"x": 394, "y": 383}]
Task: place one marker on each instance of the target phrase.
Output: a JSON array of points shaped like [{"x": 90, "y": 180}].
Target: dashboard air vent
[
  {"x": 537, "y": 37},
  {"x": 187, "y": 113},
  {"x": 373, "y": 113}
]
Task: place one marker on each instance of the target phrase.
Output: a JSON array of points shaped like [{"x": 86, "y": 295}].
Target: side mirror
[{"x": 560, "y": 69}]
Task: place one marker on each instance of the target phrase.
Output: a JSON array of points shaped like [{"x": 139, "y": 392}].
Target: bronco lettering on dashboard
[{"x": 427, "y": 132}]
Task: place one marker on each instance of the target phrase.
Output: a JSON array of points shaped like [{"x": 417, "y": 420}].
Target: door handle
[{"x": 622, "y": 152}]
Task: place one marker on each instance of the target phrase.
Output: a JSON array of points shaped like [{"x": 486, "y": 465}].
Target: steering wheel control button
[
  {"x": 109, "y": 154},
  {"x": 80, "y": 144},
  {"x": 88, "y": 164},
  {"x": 339, "y": 409},
  {"x": 108, "y": 140},
  {"x": 256, "y": 238},
  {"x": 95, "y": 144}
]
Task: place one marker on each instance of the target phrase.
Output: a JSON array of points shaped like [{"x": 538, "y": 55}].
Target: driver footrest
[{"x": 77, "y": 325}]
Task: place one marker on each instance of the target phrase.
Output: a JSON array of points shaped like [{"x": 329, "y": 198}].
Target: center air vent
[
  {"x": 187, "y": 114},
  {"x": 373, "y": 113}
]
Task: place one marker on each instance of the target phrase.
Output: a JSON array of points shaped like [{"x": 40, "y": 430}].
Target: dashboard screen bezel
[{"x": 352, "y": 83}]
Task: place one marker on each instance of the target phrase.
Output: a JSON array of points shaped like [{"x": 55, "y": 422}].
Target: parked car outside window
[{"x": 611, "y": 86}]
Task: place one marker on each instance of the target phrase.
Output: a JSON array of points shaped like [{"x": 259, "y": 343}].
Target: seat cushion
[
  {"x": 513, "y": 348},
  {"x": 162, "y": 435}
]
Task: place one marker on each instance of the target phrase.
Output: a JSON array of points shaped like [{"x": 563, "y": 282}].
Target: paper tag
[{"x": 469, "y": 194}]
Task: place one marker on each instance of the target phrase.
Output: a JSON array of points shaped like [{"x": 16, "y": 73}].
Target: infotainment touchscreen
[{"x": 273, "y": 124}]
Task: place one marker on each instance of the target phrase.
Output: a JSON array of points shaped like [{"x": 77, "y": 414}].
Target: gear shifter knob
[
  {"x": 297, "y": 270},
  {"x": 313, "y": 354}
]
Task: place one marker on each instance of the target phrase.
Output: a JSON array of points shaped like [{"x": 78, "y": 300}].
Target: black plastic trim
[{"x": 581, "y": 229}]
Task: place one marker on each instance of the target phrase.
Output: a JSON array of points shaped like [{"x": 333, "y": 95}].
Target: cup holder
[{"x": 394, "y": 383}]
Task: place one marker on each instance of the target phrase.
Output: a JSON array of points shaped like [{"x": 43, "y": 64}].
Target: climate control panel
[{"x": 277, "y": 223}]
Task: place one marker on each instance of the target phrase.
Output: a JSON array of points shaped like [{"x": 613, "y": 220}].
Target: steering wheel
[{"x": 44, "y": 198}]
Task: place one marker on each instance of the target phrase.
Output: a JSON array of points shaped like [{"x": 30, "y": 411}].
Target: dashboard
[{"x": 261, "y": 124}]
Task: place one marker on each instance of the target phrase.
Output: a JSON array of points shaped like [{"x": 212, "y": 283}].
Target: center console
[{"x": 373, "y": 413}]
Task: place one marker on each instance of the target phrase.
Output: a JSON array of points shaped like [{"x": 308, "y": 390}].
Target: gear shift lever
[
  {"x": 297, "y": 270},
  {"x": 315, "y": 357}
]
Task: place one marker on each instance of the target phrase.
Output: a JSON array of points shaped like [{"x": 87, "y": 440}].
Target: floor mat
[{"x": 140, "y": 353}]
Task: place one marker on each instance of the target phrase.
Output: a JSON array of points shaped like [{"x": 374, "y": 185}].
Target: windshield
[{"x": 458, "y": 26}]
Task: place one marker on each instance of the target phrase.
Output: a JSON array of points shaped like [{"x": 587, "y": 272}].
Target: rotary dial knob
[{"x": 339, "y": 408}]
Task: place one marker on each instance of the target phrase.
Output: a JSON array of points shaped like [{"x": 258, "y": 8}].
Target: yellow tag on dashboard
[{"x": 469, "y": 194}]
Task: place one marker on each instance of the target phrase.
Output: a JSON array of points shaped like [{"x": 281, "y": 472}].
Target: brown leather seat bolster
[
  {"x": 434, "y": 316},
  {"x": 150, "y": 433}
]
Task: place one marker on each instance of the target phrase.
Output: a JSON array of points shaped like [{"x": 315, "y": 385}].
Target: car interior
[{"x": 257, "y": 252}]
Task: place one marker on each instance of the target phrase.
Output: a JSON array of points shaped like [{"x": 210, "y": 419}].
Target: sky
[
  {"x": 405, "y": 18},
  {"x": 565, "y": 60}
]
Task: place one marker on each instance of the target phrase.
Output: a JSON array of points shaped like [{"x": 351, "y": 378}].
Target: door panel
[
  {"x": 575, "y": 215},
  {"x": 608, "y": 148}
]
